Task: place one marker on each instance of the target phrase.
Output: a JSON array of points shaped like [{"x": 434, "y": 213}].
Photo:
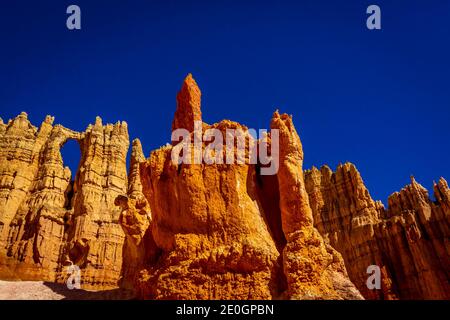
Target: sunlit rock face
[
  {"x": 408, "y": 241},
  {"x": 211, "y": 230},
  {"x": 224, "y": 231},
  {"x": 46, "y": 220}
]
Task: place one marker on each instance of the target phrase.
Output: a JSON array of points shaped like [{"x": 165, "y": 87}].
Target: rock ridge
[{"x": 175, "y": 230}]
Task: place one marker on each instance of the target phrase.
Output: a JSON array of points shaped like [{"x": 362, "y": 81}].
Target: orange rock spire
[{"x": 188, "y": 105}]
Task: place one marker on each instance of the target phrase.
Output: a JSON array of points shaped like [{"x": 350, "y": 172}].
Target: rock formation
[
  {"x": 408, "y": 241},
  {"x": 202, "y": 229},
  {"x": 46, "y": 220},
  {"x": 313, "y": 269},
  {"x": 188, "y": 105},
  {"x": 213, "y": 233},
  {"x": 135, "y": 220}
]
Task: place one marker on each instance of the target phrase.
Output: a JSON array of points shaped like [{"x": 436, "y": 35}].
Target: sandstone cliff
[
  {"x": 46, "y": 220},
  {"x": 215, "y": 236},
  {"x": 211, "y": 229},
  {"x": 408, "y": 241}
]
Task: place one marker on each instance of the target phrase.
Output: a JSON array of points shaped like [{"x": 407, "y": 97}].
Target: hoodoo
[{"x": 211, "y": 230}]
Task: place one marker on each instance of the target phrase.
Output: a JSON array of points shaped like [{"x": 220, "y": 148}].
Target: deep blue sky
[{"x": 380, "y": 99}]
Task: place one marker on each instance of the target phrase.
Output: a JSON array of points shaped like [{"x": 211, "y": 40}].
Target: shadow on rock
[{"x": 80, "y": 294}]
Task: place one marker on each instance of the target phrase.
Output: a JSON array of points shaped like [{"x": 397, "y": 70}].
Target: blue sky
[{"x": 380, "y": 99}]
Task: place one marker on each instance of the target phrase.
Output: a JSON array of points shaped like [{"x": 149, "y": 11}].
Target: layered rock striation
[
  {"x": 48, "y": 221},
  {"x": 135, "y": 219},
  {"x": 409, "y": 241}
]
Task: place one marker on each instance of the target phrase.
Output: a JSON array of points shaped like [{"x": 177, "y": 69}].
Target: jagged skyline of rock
[{"x": 233, "y": 227}]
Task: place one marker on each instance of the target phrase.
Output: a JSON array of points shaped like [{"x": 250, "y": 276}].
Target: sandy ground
[{"x": 40, "y": 290}]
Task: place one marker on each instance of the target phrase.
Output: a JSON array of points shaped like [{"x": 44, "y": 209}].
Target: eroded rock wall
[
  {"x": 46, "y": 220},
  {"x": 409, "y": 241},
  {"x": 135, "y": 220},
  {"x": 217, "y": 236},
  {"x": 210, "y": 230}
]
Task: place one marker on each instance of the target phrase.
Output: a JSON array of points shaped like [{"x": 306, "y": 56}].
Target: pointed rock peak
[
  {"x": 98, "y": 121},
  {"x": 137, "y": 143},
  {"x": 282, "y": 116},
  {"x": 349, "y": 165},
  {"x": 326, "y": 170},
  {"x": 190, "y": 86},
  {"x": 288, "y": 137},
  {"x": 190, "y": 81},
  {"x": 417, "y": 186},
  {"x": 49, "y": 119},
  {"x": 316, "y": 171},
  {"x": 343, "y": 169},
  {"x": 1, "y": 121},
  {"x": 312, "y": 172},
  {"x": 23, "y": 115},
  {"x": 136, "y": 151},
  {"x": 20, "y": 122},
  {"x": 351, "y": 168},
  {"x": 188, "y": 105},
  {"x": 281, "y": 121},
  {"x": 442, "y": 183},
  {"x": 441, "y": 190}
]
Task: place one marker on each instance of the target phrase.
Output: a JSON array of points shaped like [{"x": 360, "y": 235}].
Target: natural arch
[{"x": 71, "y": 157}]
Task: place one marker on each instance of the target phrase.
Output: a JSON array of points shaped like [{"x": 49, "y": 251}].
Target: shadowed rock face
[
  {"x": 43, "y": 290},
  {"x": 210, "y": 231},
  {"x": 408, "y": 241},
  {"x": 135, "y": 220},
  {"x": 45, "y": 220}
]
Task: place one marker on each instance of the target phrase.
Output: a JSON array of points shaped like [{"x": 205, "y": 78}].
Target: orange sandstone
[
  {"x": 218, "y": 238},
  {"x": 210, "y": 231}
]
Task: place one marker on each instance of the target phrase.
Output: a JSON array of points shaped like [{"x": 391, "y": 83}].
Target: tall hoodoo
[
  {"x": 212, "y": 238},
  {"x": 313, "y": 269},
  {"x": 188, "y": 105},
  {"x": 135, "y": 220}
]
